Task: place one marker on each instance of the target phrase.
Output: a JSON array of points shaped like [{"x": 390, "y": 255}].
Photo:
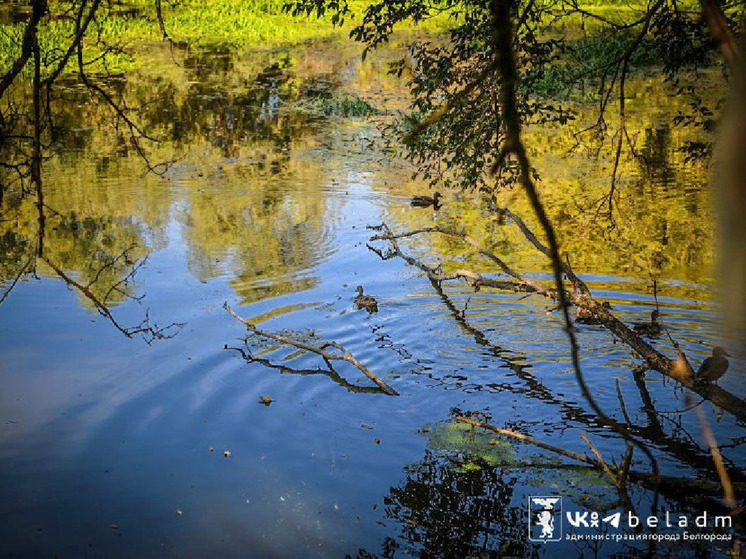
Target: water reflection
[
  {"x": 236, "y": 123},
  {"x": 11, "y": 12},
  {"x": 445, "y": 510},
  {"x": 234, "y": 130},
  {"x": 456, "y": 505},
  {"x": 266, "y": 206}
]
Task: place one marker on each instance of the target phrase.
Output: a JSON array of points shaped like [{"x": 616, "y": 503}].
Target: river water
[{"x": 111, "y": 446}]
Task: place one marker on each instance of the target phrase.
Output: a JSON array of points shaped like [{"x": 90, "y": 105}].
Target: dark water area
[{"x": 111, "y": 446}]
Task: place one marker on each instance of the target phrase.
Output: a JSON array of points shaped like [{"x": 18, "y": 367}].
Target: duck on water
[
  {"x": 363, "y": 301},
  {"x": 652, "y": 328},
  {"x": 427, "y": 201}
]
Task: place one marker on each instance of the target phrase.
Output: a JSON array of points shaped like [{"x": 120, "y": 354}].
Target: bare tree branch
[
  {"x": 664, "y": 482},
  {"x": 343, "y": 355},
  {"x": 285, "y": 369}
]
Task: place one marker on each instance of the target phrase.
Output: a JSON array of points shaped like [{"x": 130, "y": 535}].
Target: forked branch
[{"x": 342, "y": 353}]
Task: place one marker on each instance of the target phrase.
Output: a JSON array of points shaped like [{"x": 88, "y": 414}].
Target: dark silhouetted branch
[
  {"x": 665, "y": 483},
  {"x": 328, "y": 356},
  {"x": 285, "y": 369}
]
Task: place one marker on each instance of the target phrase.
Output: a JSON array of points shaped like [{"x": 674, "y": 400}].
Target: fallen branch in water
[
  {"x": 530, "y": 440},
  {"x": 285, "y": 369},
  {"x": 666, "y": 482},
  {"x": 612, "y": 476},
  {"x": 327, "y": 356},
  {"x": 580, "y": 296},
  {"x": 684, "y": 450},
  {"x": 521, "y": 283}
]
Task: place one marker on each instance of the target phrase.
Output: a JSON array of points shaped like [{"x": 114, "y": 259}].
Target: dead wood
[
  {"x": 612, "y": 476},
  {"x": 327, "y": 356},
  {"x": 665, "y": 482},
  {"x": 580, "y": 296},
  {"x": 285, "y": 369},
  {"x": 683, "y": 449}
]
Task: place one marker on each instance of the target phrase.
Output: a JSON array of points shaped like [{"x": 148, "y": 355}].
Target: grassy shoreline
[{"x": 240, "y": 25}]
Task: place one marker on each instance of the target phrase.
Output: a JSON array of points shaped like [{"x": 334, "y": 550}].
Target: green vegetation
[
  {"x": 234, "y": 24},
  {"x": 476, "y": 445},
  {"x": 582, "y": 62},
  {"x": 348, "y": 107}
]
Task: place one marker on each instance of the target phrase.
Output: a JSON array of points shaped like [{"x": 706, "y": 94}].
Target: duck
[
  {"x": 681, "y": 369},
  {"x": 585, "y": 316},
  {"x": 652, "y": 328},
  {"x": 427, "y": 201},
  {"x": 714, "y": 366},
  {"x": 367, "y": 302}
]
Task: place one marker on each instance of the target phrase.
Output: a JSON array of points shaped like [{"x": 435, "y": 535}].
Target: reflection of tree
[
  {"x": 265, "y": 227},
  {"x": 236, "y": 114},
  {"x": 444, "y": 509},
  {"x": 97, "y": 257},
  {"x": 663, "y": 212},
  {"x": 226, "y": 106},
  {"x": 264, "y": 233},
  {"x": 88, "y": 245},
  {"x": 213, "y": 102},
  {"x": 447, "y": 511},
  {"x": 655, "y": 157},
  {"x": 105, "y": 256},
  {"x": 13, "y": 250}
]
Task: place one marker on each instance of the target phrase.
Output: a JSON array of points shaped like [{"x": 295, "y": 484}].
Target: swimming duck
[
  {"x": 585, "y": 316},
  {"x": 652, "y": 328},
  {"x": 714, "y": 366},
  {"x": 367, "y": 302},
  {"x": 427, "y": 201}
]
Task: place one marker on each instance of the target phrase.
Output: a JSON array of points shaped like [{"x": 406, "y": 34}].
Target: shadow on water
[
  {"x": 185, "y": 446},
  {"x": 451, "y": 507}
]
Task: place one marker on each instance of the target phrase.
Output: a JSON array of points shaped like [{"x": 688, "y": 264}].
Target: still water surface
[{"x": 113, "y": 447}]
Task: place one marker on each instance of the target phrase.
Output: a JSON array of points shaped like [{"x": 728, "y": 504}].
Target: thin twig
[
  {"x": 15, "y": 279},
  {"x": 330, "y": 372},
  {"x": 528, "y": 439},
  {"x": 614, "y": 479},
  {"x": 621, "y": 403}
]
